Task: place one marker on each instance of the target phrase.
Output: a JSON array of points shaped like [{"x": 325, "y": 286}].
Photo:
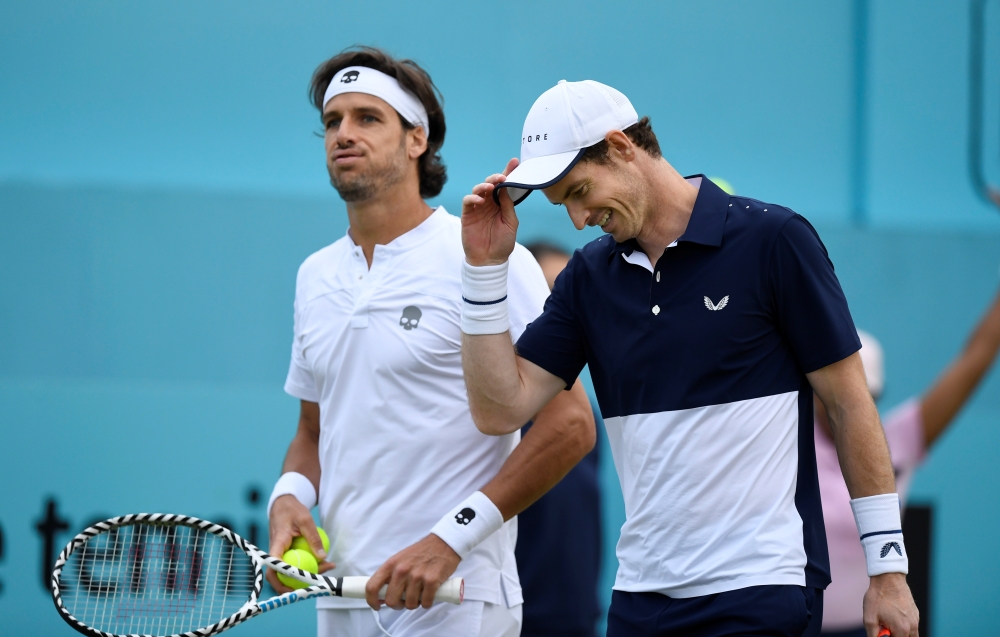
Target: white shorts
[{"x": 470, "y": 619}]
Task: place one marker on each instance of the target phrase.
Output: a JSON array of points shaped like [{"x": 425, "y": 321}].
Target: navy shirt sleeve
[
  {"x": 809, "y": 305},
  {"x": 554, "y": 341}
]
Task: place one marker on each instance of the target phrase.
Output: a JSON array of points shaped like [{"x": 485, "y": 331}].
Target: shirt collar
[
  {"x": 708, "y": 219},
  {"x": 427, "y": 228},
  {"x": 707, "y": 222}
]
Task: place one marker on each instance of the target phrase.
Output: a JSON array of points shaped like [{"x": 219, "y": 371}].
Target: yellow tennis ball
[
  {"x": 724, "y": 185},
  {"x": 301, "y": 544},
  {"x": 300, "y": 559}
]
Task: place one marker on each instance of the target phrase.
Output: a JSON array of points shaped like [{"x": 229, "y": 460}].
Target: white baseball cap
[{"x": 564, "y": 121}]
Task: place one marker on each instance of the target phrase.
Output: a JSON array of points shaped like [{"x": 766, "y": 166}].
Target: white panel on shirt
[
  {"x": 728, "y": 472},
  {"x": 398, "y": 447}
]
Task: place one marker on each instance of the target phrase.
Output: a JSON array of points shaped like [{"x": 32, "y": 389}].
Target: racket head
[{"x": 156, "y": 574}]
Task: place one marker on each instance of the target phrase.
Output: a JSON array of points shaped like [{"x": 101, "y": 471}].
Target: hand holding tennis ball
[
  {"x": 301, "y": 559},
  {"x": 302, "y": 544}
]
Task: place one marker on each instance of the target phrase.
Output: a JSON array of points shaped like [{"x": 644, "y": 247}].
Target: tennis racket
[{"x": 157, "y": 574}]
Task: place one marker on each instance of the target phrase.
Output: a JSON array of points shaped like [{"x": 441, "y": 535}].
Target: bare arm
[
  {"x": 946, "y": 397},
  {"x": 290, "y": 518},
  {"x": 562, "y": 434},
  {"x": 303, "y": 452},
  {"x": 505, "y": 390},
  {"x": 867, "y": 469},
  {"x": 857, "y": 431}
]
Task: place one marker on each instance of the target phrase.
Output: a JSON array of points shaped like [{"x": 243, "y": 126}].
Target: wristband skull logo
[{"x": 465, "y": 516}]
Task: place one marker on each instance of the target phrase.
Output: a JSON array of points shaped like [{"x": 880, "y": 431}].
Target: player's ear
[
  {"x": 620, "y": 145},
  {"x": 416, "y": 142}
]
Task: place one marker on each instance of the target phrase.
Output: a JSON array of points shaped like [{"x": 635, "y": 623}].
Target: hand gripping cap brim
[{"x": 537, "y": 173}]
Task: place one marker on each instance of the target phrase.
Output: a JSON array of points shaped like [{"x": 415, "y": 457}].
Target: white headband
[{"x": 361, "y": 79}]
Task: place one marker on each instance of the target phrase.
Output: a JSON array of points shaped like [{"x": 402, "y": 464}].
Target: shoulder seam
[{"x": 771, "y": 250}]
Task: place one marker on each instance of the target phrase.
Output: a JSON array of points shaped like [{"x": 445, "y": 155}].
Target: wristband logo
[
  {"x": 465, "y": 516},
  {"x": 890, "y": 546}
]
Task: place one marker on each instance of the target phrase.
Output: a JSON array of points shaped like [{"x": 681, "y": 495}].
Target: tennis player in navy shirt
[{"x": 708, "y": 321}]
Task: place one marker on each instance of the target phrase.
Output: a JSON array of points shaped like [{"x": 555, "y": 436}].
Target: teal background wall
[{"x": 160, "y": 183}]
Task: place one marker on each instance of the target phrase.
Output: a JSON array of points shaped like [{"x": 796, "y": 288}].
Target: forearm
[
  {"x": 291, "y": 499},
  {"x": 561, "y": 435},
  {"x": 857, "y": 431},
  {"x": 502, "y": 396},
  {"x": 945, "y": 399},
  {"x": 862, "y": 448},
  {"x": 303, "y": 452}
]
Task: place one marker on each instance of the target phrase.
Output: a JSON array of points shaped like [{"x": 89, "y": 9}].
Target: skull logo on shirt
[{"x": 411, "y": 317}]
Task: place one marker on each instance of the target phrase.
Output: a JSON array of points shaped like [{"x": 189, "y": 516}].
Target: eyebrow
[
  {"x": 569, "y": 189},
  {"x": 361, "y": 110}
]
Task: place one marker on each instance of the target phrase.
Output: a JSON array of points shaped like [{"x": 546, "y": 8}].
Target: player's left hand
[
  {"x": 889, "y": 603},
  {"x": 415, "y": 573},
  {"x": 489, "y": 230}
]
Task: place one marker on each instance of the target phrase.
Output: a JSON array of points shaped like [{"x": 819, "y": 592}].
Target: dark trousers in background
[
  {"x": 857, "y": 632},
  {"x": 559, "y": 554},
  {"x": 774, "y": 611}
]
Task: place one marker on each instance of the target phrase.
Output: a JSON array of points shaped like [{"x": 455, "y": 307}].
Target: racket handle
[
  {"x": 884, "y": 632},
  {"x": 452, "y": 591}
]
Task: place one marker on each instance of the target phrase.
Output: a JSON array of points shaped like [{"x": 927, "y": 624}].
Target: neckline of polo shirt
[
  {"x": 412, "y": 237},
  {"x": 707, "y": 222},
  {"x": 708, "y": 218}
]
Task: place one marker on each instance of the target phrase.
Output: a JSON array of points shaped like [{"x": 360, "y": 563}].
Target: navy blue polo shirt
[{"x": 699, "y": 369}]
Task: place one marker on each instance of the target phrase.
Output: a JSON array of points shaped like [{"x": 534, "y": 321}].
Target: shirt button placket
[
  {"x": 652, "y": 294},
  {"x": 656, "y": 278},
  {"x": 362, "y": 291}
]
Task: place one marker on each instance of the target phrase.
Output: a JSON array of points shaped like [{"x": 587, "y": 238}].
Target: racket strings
[{"x": 155, "y": 579}]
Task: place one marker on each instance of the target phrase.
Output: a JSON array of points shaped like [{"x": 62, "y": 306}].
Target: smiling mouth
[{"x": 604, "y": 220}]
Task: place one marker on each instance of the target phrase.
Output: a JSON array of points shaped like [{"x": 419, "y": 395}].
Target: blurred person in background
[
  {"x": 910, "y": 429},
  {"x": 559, "y": 536},
  {"x": 409, "y": 491}
]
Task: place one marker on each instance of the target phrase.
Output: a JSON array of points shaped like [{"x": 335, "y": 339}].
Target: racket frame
[{"x": 320, "y": 585}]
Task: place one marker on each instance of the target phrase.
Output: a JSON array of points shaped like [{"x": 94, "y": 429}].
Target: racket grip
[
  {"x": 451, "y": 591},
  {"x": 884, "y": 632}
]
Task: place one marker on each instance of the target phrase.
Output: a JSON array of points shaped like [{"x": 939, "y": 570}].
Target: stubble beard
[{"x": 378, "y": 178}]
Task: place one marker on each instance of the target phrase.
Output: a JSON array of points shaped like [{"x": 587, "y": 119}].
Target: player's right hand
[
  {"x": 888, "y": 605},
  {"x": 291, "y": 519},
  {"x": 488, "y": 229}
]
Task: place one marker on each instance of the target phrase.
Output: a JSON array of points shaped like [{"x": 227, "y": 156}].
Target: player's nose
[
  {"x": 578, "y": 215},
  {"x": 346, "y": 133}
]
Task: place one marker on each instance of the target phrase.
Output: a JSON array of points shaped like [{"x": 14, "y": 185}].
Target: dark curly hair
[
  {"x": 411, "y": 77},
  {"x": 642, "y": 135}
]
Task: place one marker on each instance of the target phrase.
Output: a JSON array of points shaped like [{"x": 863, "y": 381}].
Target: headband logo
[{"x": 350, "y": 76}]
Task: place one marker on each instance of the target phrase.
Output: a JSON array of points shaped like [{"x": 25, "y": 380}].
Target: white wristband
[
  {"x": 484, "y": 299},
  {"x": 295, "y": 484},
  {"x": 881, "y": 531},
  {"x": 468, "y": 524}
]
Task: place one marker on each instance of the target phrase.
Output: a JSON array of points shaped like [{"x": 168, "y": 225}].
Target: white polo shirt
[{"x": 380, "y": 351}]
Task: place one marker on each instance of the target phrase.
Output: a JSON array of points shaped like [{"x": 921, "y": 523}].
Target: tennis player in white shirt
[{"x": 409, "y": 490}]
